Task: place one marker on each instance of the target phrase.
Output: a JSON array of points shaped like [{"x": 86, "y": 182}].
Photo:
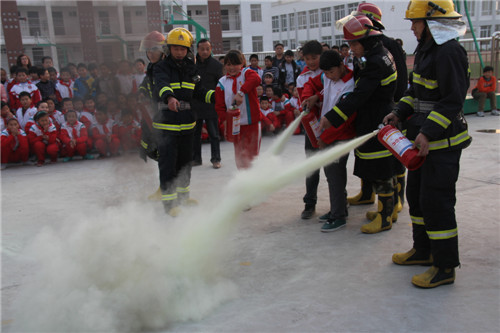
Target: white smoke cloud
[{"x": 124, "y": 269}]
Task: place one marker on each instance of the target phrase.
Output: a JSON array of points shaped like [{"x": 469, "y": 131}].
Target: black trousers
[
  {"x": 336, "y": 175},
  {"x": 431, "y": 198},
  {"x": 174, "y": 163},
  {"x": 213, "y": 134}
]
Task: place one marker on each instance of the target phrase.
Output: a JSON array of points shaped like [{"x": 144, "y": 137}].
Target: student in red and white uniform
[
  {"x": 312, "y": 51},
  {"x": 114, "y": 111},
  {"x": 129, "y": 131},
  {"x": 87, "y": 116},
  {"x": 5, "y": 114},
  {"x": 74, "y": 137},
  {"x": 280, "y": 105},
  {"x": 41, "y": 106},
  {"x": 23, "y": 85},
  {"x": 14, "y": 143},
  {"x": 105, "y": 134},
  {"x": 64, "y": 86},
  {"x": 238, "y": 87},
  {"x": 42, "y": 137},
  {"x": 56, "y": 116},
  {"x": 336, "y": 82},
  {"x": 67, "y": 104},
  {"x": 27, "y": 111},
  {"x": 269, "y": 118}
]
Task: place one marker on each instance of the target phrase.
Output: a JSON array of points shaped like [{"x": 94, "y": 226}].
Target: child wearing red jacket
[
  {"x": 23, "y": 84},
  {"x": 87, "y": 116},
  {"x": 129, "y": 131},
  {"x": 486, "y": 87},
  {"x": 331, "y": 86},
  {"x": 14, "y": 144},
  {"x": 74, "y": 137},
  {"x": 5, "y": 115},
  {"x": 42, "y": 137},
  {"x": 239, "y": 86},
  {"x": 312, "y": 51},
  {"x": 268, "y": 117},
  {"x": 104, "y": 134}
]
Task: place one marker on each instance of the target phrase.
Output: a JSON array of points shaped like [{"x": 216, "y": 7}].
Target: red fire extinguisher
[
  {"x": 233, "y": 124},
  {"x": 400, "y": 147},
  {"x": 311, "y": 125}
]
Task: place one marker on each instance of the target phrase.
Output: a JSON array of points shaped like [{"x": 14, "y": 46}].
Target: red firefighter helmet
[
  {"x": 153, "y": 40},
  {"x": 372, "y": 11},
  {"x": 358, "y": 27}
]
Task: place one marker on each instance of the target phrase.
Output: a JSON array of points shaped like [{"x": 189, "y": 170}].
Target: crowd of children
[{"x": 80, "y": 110}]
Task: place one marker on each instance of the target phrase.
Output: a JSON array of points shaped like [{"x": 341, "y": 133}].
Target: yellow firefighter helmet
[
  {"x": 428, "y": 10},
  {"x": 180, "y": 36}
]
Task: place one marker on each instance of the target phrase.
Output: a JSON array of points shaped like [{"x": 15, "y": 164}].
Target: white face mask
[{"x": 443, "y": 30}]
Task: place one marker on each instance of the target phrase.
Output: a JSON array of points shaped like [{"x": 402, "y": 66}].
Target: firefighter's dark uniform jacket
[
  {"x": 373, "y": 99},
  {"x": 436, "y": 109},
  {"x": 400, "y": 60},
  {"x": 148, "y": 146},
  {"x": 182, "y": 82},
  {"x": 433, "y": 106}
]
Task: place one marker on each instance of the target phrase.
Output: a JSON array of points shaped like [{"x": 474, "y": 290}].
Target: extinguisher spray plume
[{"x": 279, "y": 144}]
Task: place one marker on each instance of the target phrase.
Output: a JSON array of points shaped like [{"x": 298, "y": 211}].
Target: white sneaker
[
  {"x": 495, "y": 113},
  {"x": 480, "y": 114}
]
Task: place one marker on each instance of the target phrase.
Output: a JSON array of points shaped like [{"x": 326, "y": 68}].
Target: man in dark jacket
[
  {"x": 176, "y": 83},
  {"x": 289, "y": 71},
  {"x": 210, "y": 71}
]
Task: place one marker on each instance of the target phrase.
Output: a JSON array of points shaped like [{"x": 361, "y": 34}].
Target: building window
[
  {"x": 256, "y": 13},
  {"x": 284, "y": 25},
  {"x": 485, "y": 31},
  {"x": 276, "y": 23},
  {"x": 326, "y": 17},
  {"x": 486, "y": 7},
  {"x": 285, "y": 44},
  {"x": 138, "y": 13},
  {"x": 58, "y": 20},
  {"x": 291, "y": 21},
  {"x": 226, "y": 45},
  {"x": 127, "y": 18},
  {"x": 293, "y": 44},
  {"x": 497, "y": 4},
  {"x": 327, "y": 40},
  {"x": 339, "y": 12},
  {"x": 339, "y": 40},
  {"x": 237, "y": 19},
  {"x": 224, "y": 17},
  {"x": 131, "y": 51},
  {"x": 34, "y": 24},
  {"x": 471, "y": 6},
  {"x": 313, "y": 18},
  {"x": 198, "y": 12},
  {"x": 105, "y": 26},
  {"x": 497, "y": 27},
  {"x": 302, "y": 18},
  {"x": 352, "y": 7},
  {"x": 37, "y": 54},
  {"x": 257, "y": 44},
  {"x": 72, "y": 14}
]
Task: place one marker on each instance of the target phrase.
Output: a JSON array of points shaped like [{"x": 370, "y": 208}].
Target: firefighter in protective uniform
[
  {"x": 366, "y": 195},
  {"x": 175, "y": 83},
  {"x": 432, "y": 107},
  {"x": 153, "y": 44},
  {"x": 372, "y": 98}
]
